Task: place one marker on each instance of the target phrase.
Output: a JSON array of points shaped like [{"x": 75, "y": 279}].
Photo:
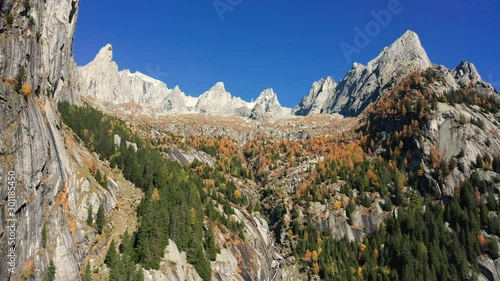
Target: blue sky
[{"x": 252, "y": 45}]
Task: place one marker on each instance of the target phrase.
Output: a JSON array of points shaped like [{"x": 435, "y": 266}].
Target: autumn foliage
[{"x": 26, "y": 90}]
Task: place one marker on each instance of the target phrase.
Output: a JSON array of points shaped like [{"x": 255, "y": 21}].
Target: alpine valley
[{"x": 391, "y": 173}]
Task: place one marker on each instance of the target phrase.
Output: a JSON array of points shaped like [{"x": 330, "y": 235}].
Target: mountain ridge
[{"x": 360, "y": 86}]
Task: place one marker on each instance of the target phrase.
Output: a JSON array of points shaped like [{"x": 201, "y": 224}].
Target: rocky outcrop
[
  {"x": 321, "y": 91},
  {"x": 466, "y": 73},
  {"x": 173, "y": 267},
  {"x": 490, "y": 269},
  {"x": 189, "y": 156},
  {"x": 252, "y": 259},
  {"x": 453, "y": 133}
]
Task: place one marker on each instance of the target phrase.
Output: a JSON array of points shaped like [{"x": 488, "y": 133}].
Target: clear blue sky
[{"x": 281, "y": 44}]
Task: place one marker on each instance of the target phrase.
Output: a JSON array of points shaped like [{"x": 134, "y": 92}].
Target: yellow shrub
[
  {"x": 155, "y": 197},
  {"x": 26, "y": 90},
  {"x": 237, "y": 194},
  {"x": 337, "y": 205}
]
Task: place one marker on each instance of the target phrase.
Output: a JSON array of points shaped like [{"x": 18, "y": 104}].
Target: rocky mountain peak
[
  {"x": 218, "y": 91},
  {"x": 329, "y": 83},
  {"x": 267, "y": 104},
  {"x": 215, "y": 101},
  {"x": 466, "y": 72},
  {"x": 219, "y": 85},
  {"x": 363, "y": 84},
  {"x": 267, "y": 96},
  {"x": 407, "y": 49},
  {"x": 105, "y": 54}
]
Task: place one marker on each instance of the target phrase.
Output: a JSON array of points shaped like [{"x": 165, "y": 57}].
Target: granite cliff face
[
  {"x": 49, "y": 193},
  {"x": 40, "y": 39}
]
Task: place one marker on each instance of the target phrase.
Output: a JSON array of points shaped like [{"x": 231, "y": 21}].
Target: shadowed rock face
[{"x": 31, "y": 144}]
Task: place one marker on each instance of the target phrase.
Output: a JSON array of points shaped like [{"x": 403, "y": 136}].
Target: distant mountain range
[{"x": 360, "y": 86}]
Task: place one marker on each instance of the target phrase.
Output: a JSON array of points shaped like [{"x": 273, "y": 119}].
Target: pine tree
[
  {"x": 44, "y": 236},
  {"x": 100, "y": 219},
  {"x": 87, "y": 276},
  {"x": 210, "y": 245},
  {"x": 111, "y": 255},
  {"x": 90, "y": 218},
  {"x": 98, "y": 176},
  {"x": 50, "y": 272},
  {"x": 20, "y": 77},
  {"x": 140, "y": 276}
]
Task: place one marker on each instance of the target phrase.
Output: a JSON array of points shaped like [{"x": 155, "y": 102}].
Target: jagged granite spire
[
  {"x": 362, "y": 84},
  {"x": 267, "y": 104},
  {"x": 105, "y": 54},
  {"x": 465, "y": 73},
  {"x": 320, "y": 92}
]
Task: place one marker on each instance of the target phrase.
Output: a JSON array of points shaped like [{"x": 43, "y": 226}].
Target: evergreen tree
[
  {"x": 210, "y": 246},
  {"x": 98, "y": 176},
  {"x": 87, "y": 276},
  {"x": 44, "y": 236},
  {"x": 20, "y": 77},
  {"x": 140, "y": 276},
  {"x": 50, "y": 272},
  {"x": 100, "y": 219},
  {"x": 111, "y": 255},
  {"x": 90, "y": 218}
]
